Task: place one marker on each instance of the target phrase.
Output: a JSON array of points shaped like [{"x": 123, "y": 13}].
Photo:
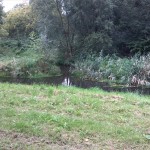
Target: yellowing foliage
[
  {"x": 3, "y": 32},
  {"x": 19, "y": 21}
]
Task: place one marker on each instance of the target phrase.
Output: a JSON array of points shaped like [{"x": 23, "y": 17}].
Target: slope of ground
[{"x": 46, "y": 117}]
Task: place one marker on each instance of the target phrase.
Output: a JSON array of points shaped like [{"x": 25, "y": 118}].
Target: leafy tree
[
  {"x": 131, "y": 20},
  {"x": 53, "y": 25},
  {"x": 94, "y": 26},
  {"x": 19, "y": 22},
  {"x": 1, "y": 11},
  {"x": 72, "y": 22},
  {"x": 3, "y": 32}
]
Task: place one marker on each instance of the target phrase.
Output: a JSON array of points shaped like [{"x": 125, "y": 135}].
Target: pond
[{"x": 67, "y": 80}]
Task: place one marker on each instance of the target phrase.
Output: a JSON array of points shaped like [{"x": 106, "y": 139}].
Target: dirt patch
[{"x": 19, "y": 141}]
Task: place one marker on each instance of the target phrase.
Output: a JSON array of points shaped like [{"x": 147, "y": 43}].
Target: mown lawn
[{"x": 49, "y": 117}]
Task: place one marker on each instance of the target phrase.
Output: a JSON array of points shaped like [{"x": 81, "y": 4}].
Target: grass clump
[{"x": 73, "y": 116}]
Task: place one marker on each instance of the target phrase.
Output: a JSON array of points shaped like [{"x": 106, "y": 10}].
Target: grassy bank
[
  {"x": 26, "y": 58},
  {"x": 45, "y": 117},
  {"x": 120, "y": 70}
]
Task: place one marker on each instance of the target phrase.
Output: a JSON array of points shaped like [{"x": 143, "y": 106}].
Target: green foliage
[
  {"x": 11, "y": 46},
  {"x": 26, "y": 58},
  {"x": 3, "y": 32},
  {"x": 72, "y": 30},
  {"x": 97, "y": 42},
  {"x": 83, "y": 26},
  {"x": 90, "y": 16},
  {"x": 131, "y": 21},
  {"x": 140, "y": 46},
  {"x": 113, "y": 68},
  {"x": 54, "y": 27},
  {"x": 1, "y": 11},
  {"x": 19, "y": 22}
]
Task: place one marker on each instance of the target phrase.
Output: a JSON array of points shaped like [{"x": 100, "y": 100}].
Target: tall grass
[{"x": 113, "y": 68}]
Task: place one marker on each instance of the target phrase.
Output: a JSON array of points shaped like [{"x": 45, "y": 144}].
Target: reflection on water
[
  {"x": 71, "y": 81},
  {"x": 67, "y": 80}
]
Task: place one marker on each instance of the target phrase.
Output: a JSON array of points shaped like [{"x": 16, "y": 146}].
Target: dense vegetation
[
  {"x": 1, "y": 11},
  {"x": 109, "y": 39},
  {"x": 96, "y": 25},
  {"x": 115, "y": 68},
  {"x": 99, "y": 40}
]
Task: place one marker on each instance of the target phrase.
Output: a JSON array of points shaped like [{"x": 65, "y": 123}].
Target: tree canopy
[
  {"x": 1, "y": 11},
  {"x": 78, "y": 27},
  {"x": 19, "y": 21},
  {"x": 110, "y": 26}
]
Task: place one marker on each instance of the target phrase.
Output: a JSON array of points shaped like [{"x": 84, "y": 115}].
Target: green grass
[{"x": 72, "y": 116}]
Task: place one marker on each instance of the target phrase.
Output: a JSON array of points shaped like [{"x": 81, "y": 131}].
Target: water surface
[{"x": 67, "y": 80}]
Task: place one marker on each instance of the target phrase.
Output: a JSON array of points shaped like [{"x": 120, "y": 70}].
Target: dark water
[{"x": 67, "y": 80}]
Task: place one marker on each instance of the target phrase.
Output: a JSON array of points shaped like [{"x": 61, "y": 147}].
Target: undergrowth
[
  {"x": 113, "y": 68},
  {"x": 26, "y": 58}
]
